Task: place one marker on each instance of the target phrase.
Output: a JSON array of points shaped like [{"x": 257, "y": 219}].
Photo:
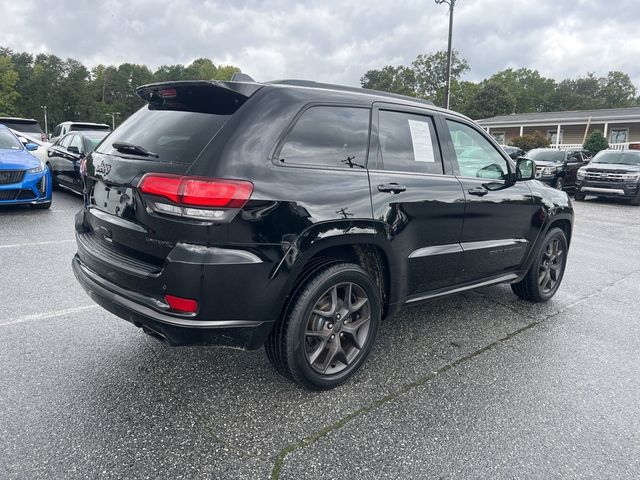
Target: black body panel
[{"x": 243, "y": 270}]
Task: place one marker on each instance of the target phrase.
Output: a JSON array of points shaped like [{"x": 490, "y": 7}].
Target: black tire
[
  {"x": 535, "y": 286},
  {"x": 579, "y": 196},
  {"x": 559, "y": 183},
  {"x": 636, "y": 200},
  {"x": 41, "y": 206},
  {"x": 337, "y": 336}
]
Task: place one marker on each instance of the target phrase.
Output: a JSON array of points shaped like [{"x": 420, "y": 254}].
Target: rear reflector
[
  {"x": 197, "y": 191},
  {"x": 634, "y": 146},
  {"x": 185, "y": 305}
]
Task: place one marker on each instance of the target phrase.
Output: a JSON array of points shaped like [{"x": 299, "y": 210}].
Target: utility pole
[
  {"x": 113, "y": 119},
  {"x": 46, "y": 125},
  {"x": 447, "y": 85}
]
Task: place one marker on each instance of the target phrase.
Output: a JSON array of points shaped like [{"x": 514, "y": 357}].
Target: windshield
[
  {"x": 8, "y": 141},
  {"x": 546, "y": 155},
  {"x": 92, "y": 139},
  {"x": 620, "y": 158},
  {"x": 27, "y": 127},
  {"x": 176, "y": 137}
]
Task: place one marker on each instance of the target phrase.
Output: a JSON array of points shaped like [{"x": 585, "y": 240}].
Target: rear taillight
[
  {"x": 634, "y": 146},
  {"x": 196, "y": 197}
]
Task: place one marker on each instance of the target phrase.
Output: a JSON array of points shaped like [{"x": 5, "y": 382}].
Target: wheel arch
[{"x": 363, "y": 243}]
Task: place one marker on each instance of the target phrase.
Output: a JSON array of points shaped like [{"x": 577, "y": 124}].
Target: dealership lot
[{"x": 476, "y": 385}]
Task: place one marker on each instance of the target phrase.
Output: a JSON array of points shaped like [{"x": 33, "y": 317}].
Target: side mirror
[
  {"x": 73, "y": 149},
  {"x": 525, "y": 169},
  {"x": 31, "y": 146}
]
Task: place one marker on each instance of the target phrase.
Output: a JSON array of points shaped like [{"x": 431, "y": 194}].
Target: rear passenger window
[
  {"x": 329, "y": 137},
  {"x": 407, "y": 143}
]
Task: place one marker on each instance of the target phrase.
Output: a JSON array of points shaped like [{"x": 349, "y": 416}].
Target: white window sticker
[{"x": 421, "y": 138}]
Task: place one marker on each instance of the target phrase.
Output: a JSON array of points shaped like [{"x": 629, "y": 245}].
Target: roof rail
[{"x": 344, "y": 88}]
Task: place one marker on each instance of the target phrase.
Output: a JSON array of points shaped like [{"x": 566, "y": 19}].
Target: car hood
[
  {"x": 17, "y": 160},
  {"x": 613, "y": 168}
]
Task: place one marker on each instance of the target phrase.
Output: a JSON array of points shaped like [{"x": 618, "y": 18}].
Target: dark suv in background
[
  {"x": 298, "y": 215},
  {"x": 612, "y": 174},
  {"x": 558, "y": 168}
]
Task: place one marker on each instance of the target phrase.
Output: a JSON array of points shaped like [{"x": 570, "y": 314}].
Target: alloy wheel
[
  {"x": 337, "y": 328},
  {"x": 551, "y": 264}
]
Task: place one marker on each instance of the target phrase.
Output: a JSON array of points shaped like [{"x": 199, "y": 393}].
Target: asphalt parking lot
[{"x": 479, "y": 385}]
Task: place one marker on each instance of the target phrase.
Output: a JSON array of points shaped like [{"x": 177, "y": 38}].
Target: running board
[{"x": 485, "y": 283}]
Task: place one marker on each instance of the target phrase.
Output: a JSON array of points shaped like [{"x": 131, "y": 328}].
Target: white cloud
[{"x": 333, "y": 41}]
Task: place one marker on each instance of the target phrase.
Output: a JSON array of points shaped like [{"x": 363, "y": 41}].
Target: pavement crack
[
  {"x": 281, "y": 456},
  {"x": 314, "y": 437}
]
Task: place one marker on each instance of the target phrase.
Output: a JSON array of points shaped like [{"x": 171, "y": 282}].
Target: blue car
[{"x": 23, "y": 178}]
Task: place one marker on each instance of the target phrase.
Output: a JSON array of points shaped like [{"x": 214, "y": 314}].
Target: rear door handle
[
  {"x": 478, "y": 191},
  {"x": 391, "y": 188}
]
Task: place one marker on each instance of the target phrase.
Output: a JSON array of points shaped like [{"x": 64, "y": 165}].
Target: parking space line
[
  {"x": 48, "y": 315},
  {"x": 34, "y": 244}
]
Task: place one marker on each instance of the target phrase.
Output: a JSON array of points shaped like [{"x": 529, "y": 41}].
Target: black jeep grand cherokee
[{"x": 297, "y": 215}]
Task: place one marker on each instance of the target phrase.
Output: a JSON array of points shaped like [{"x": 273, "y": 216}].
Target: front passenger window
[{"x": 476, "y": 156}]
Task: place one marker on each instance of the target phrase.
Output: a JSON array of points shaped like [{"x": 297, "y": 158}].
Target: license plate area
[{"x": 115, "y": 200}]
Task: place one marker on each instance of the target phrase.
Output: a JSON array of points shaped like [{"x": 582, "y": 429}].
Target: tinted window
[
  {"x": 76, "y": 141},
  {"x": 92, "y": 139},
  {"x": 8, "y": 141},
  {"x": 622, "y": 158},
  {"x": 328, "y": 136},
  {"x": 65, "y": 141},
  {"x": 175, "y": 136},
  {"x": 23, "y": 126},
  {"x": 476, "y": 155},
  {"x": 407, "y": 143},
  {"x": 546, "y": 155},
  {"x": 177, "y": 124}
]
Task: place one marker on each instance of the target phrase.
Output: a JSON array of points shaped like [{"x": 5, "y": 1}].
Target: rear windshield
[
  {"x": 176, "y": 124},
  {"x": 92, "y": 139},
  {"x": 8, "y": 141},
  {"x": 83, "y": 126},
  {"x": 624, "y": 158},
  {"x": 174, "y": 136},
  {"x": 546, "y": 155},
  {"x": 22, "y": 126}
]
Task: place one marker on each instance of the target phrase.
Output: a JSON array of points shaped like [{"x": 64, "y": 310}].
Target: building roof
[{"x": 575, "y": 116}]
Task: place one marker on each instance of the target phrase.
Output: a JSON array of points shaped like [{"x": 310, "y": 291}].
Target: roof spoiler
[{"x": 241, "y": 90}]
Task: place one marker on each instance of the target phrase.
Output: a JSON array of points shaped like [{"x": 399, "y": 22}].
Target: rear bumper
[{"x": 175, "y": 329}]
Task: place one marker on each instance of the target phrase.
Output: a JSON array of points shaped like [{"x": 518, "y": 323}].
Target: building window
[
  {"x": 552, "y": 136},
  {"x": 499, "y": 136},
  {"x": 619, "y": 135}
]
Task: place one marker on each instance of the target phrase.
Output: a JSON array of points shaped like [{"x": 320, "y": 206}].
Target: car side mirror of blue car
[{"x": 31, "y": 147}]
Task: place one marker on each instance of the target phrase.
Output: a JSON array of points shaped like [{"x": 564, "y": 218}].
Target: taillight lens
[
  {"x": 196, "y": 197},
  {"x": 183, "y": 305},
  {"x": 634, "y": 146}
]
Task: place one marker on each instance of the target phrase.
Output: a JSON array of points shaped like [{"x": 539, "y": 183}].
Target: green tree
[
  {"x": 618, "y": 90},
  {"x": 595, "y": 142},
  {"x": 492, "y": 99},
  {"x": 461, "y": 94},
  {"x": 8, "y": 93},
  {"x": 392, "y": 79},
  {"x": 431, "y": 74},
  {"x": 530, "y": 141},
  {"x": 530, "y": 90}
]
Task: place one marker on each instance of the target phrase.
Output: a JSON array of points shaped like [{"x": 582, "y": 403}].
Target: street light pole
[
  {"x": 113, "y": 119},
  {"x": 46, "y": 125},
  {"x": 447, "y": 85}
]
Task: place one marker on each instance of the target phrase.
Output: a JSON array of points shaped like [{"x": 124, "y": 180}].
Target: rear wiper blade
[{"x": 132, "y": 148}]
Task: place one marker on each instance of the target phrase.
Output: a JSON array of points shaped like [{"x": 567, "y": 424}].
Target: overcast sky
[{"x": 332, "y": 41}]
